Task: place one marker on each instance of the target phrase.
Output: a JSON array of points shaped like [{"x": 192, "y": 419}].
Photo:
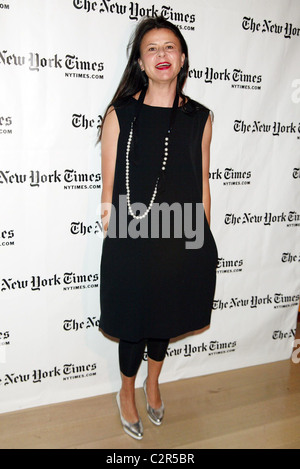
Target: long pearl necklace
[{"x": 164, "y": 162}]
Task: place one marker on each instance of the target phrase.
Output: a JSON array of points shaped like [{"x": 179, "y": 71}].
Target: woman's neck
[{"x": 160, "y": 95}]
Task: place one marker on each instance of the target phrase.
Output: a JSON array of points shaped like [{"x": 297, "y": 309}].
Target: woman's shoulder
[
  {"x": 124, "y": 109},
  {"x": 197, "y": 110},
  {"x": 120, "y": 103},
  {"x": 192, "y": 107}
]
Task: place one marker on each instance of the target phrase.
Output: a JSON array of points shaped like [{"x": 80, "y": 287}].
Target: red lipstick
[{"x": 163, "y": 65}]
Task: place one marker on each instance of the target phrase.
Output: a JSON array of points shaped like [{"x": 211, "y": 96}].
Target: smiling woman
[
  {"x": 155, "y": 153},
  {"x": 161, "y": 58},
  {"x": 133, "y": 81}
]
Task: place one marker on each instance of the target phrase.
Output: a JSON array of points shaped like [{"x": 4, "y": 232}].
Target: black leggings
[{"x": 131, "y": 354}]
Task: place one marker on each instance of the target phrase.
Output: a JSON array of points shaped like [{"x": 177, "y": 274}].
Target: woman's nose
[{"x": 161, "y": 52}]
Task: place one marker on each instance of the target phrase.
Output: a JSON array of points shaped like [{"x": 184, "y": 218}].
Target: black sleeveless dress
[{"x": 156, "y": 286}]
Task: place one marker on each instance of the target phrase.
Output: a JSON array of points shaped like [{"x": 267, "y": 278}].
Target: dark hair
[{"x": 133, "y": 79}]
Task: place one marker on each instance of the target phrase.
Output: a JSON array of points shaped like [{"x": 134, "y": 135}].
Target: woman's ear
[
  {"x": 182, "y": 59},
  {"x": 141, "y": 64}
]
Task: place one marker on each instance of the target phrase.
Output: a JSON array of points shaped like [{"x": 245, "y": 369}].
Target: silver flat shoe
[
  {"x": 135, "y": 430},
  {"x": 155, "y": 415}
]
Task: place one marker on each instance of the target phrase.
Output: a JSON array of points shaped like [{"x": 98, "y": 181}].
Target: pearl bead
[{"x": 130, "y": 138}]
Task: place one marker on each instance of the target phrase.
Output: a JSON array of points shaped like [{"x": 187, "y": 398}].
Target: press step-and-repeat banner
[{"x": 60, "y": 63}]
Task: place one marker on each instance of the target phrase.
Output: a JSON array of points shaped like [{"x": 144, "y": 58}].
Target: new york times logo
[
  {"x": 35, "y": 62},
  {"x": 67, "y": 372},
  {"x": 267, "y": 26},
  {"x": 71, "y": 179},
  {"x": 237, "y": 78},
  {"x": 68, "y": 281},
  {"x": 134, "y": 10}
]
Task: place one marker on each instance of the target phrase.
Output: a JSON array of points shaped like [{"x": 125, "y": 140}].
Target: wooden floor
[{"x": 257, "y": 407}]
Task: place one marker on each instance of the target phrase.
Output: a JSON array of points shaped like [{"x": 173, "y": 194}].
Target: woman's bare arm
[{"x": 109, "y": 143}]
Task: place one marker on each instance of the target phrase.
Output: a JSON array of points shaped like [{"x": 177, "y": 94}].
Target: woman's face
[{"x": 161, "y": 56}]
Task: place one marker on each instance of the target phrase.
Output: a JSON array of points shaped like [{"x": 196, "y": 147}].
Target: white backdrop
[{"x": 60, "y": 63}]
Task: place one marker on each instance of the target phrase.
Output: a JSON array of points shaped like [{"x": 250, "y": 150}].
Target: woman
[{"x": 155, "y": 284}]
